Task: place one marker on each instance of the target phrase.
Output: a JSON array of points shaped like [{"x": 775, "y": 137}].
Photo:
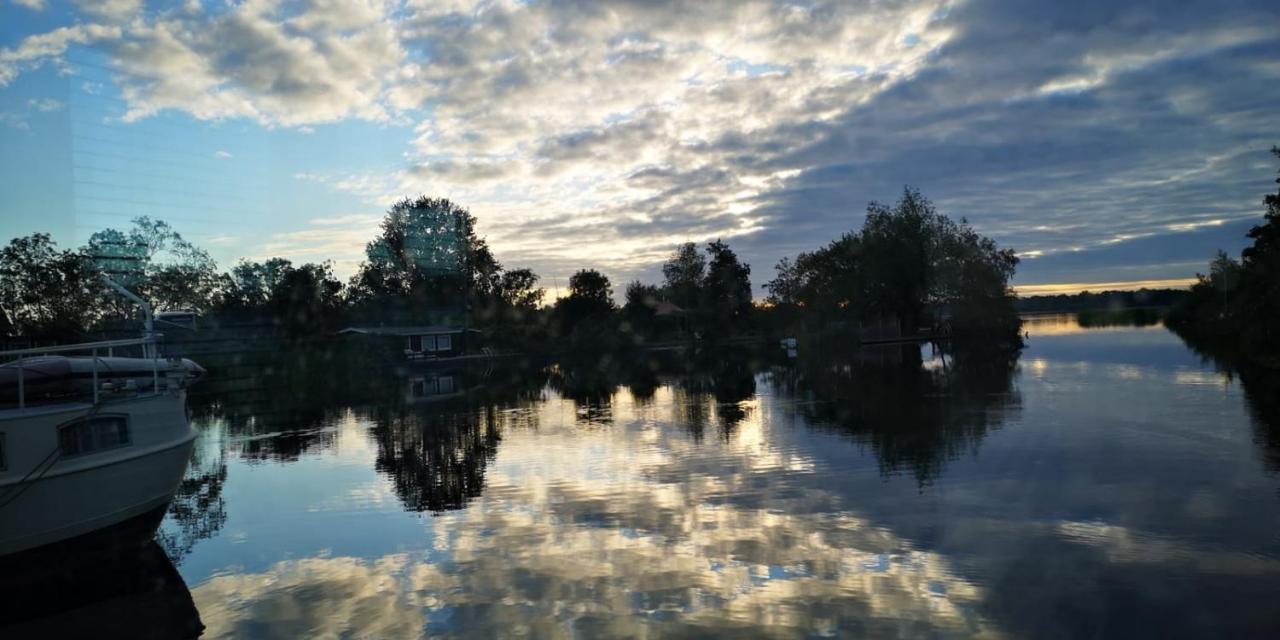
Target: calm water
[{"x": 1107, "y": 483}]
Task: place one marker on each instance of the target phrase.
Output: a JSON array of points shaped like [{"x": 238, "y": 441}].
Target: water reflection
[
  {"x": 1105, "y": 485},
  {"x": 623, "y": 531},
  {"x": 135, "y": 594},
  {"x": 915, "y": 414},
  {"x": 198, "y": 510},
  {"x": 711, "y": 387},
  {"x": 1261, "y": 388}
]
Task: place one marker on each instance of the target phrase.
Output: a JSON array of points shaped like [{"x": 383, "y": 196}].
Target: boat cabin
[
  {"x": 181, "y": 319},
  {"x": 425, "y": 341}
]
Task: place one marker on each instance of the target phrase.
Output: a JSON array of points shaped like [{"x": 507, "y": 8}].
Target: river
[{"x": 1108, "y": 482}]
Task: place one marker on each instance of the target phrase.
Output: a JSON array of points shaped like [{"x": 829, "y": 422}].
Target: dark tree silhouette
[
  {"x": 1236, "y": 307},
  {"x": 909, "y": 262}
]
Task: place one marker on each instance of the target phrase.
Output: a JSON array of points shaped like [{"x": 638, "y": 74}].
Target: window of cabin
[
  {"x": 445, "y": 384},
  {"x": 415, "y": 343},
  {"x": 419, "y": 388},
  {"x": 444, "y": 343},
  {"x": 4, "y": 464},
  {"x": 93, "y": 434}
]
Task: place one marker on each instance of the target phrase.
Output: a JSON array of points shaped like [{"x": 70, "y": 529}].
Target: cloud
[
  {"x": 221, "y": 153},
  {"x": 14, "y": 120},
  {"x": 317, "y": 62},
  {"x": 355, "y": 218},
  {"x": 35, "y": 50},
  {"x": 569, "y": 127},
  {"x": 44, "y": 105},
  {"x": 113, "y": 10},
  {"x": 34, "y": 5}
]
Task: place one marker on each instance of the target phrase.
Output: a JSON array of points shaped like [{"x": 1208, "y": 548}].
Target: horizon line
[{"x": 1117, "y": 285}]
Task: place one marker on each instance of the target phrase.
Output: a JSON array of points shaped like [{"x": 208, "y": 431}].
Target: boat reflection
[{"x": 137, "y": 595}]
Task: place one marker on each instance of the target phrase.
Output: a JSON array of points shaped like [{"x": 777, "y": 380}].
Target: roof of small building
[{"x": 406, "y": 331}]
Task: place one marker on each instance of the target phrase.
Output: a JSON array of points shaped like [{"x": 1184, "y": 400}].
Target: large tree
[
  {"x": 428, "y": 259},
  {"x": 683, "y": 275},
  {"x": 156, "y": 262},
  {"x": 726, "y": 291},
  {"x": 910, "y": 262},
  {"x": 428, "y": 252},
  {"x": 250, "y": 284},
  {"x": 590, "y": 300},
  {"x": 45, "y": 292},
  {"x": 1236, "y": 307}
]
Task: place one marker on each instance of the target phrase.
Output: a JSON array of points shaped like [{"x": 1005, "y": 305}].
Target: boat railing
[{"x": 17, "y": 357}]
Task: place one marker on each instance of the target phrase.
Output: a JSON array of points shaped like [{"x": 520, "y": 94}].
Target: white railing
[{"x": 148, "y": 344}]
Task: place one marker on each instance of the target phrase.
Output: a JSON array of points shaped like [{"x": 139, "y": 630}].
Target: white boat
[{"x": 89, "y": 443}]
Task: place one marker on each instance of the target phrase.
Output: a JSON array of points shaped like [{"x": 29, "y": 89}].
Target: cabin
[{"x": 426, "y": 342}]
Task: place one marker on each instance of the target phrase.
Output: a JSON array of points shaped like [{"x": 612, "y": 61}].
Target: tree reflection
[
  {"x": 1261, "y": 388},
  {"x": 198, "y": 509},
  {"x": 590, "y": 384},
  {"x": 708, "y": 385},
  {"x": 278, "y": 406},
  {"x": 436, "y": 453},
  {"x": 916, "y": 415},
  {"x": 436, "y": 461}
]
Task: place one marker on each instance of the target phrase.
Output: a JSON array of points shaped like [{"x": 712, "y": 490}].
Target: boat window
[
  {"x": 4, "y": 465},
  {"x": 444, "y": 343},
  {"x": 445, "y": 384},
  {"x": 93, "y": 434},
  {"x": 415, "y": 343}
]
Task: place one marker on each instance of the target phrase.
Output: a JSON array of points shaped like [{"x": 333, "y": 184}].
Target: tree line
[
  {"x": 1100, "y": 300},
  {"x": 1236, "y": 306},
  {"x": 427, "y": 265}
]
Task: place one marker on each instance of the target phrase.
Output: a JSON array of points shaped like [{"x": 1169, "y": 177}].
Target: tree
[
  {"x": 305, "y": 299},
  {"x": 518, "y": 289},
  {"x": 898, "y": 244},
  {"x": 590, "y": 299},
  {"x": 640, "y": 310},
  {"x": 683, "y": 273},
  {"x": 250, "y": 284},
  {"x": 47, "y": 293},
  {"x": 911, "y": 262},
  {"x": 158, "y": 263},
  {"x": 1260, "y": 276},
  {"x": 1236, "y": 308},
  {"x": 726, "y": 291},
  {"x": 592, "y": 288},
  {"x": 428, "y": 253}
]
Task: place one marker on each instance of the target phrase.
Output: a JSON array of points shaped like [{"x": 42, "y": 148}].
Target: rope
[{"x": 16, "y": 491}]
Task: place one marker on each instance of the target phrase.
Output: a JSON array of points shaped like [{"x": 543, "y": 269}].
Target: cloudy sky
[{"x": 1107, "y": 142}]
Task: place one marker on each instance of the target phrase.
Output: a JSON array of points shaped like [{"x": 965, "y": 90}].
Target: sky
[{"x": 1111, "y": 144}]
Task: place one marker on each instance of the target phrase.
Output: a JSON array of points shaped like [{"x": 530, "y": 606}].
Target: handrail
[{"x": 83, "y": 346}]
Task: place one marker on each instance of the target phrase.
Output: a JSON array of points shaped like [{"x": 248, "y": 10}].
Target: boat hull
[{"x": 98, "y": 492}]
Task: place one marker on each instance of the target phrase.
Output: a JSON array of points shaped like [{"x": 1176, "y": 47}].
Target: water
[{"x": 1107, "y": 483}]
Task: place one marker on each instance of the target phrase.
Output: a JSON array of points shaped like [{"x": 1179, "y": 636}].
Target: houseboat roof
[{"x": 406, "y": 331}]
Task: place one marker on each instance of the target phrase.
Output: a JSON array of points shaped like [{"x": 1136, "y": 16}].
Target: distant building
[{"x": 426, "y": 341}]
